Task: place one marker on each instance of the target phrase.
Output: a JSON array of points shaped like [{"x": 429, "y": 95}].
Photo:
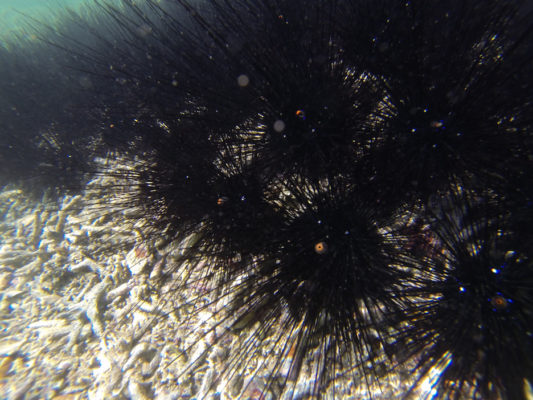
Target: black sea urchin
[
  {"x": 348, "y": 180},
  {"x": 476, "y": 327}
]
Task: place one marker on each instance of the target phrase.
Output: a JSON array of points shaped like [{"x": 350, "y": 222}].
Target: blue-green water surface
[{"x": 14, "y": 13}]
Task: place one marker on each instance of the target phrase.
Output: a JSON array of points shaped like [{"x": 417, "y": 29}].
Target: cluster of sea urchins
[{"x": 357, "y": 173}]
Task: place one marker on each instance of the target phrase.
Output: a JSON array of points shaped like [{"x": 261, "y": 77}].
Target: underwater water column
[{"x": 347, "y": 183}]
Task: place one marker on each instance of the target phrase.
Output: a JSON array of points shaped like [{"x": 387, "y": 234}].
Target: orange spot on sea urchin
[{"x": 321, "y": 248}]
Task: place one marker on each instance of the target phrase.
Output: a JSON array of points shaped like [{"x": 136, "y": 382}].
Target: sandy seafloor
[
  {"x": 77, "y": 317},
  {"x": 80, "y": 319}
]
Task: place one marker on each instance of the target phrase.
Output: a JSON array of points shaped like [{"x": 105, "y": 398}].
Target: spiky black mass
[{"x": 352, "y": 177}]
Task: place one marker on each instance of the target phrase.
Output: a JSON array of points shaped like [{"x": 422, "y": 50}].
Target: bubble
[
  {"x": 243, "y": 80},
  {"x": 86, "y": 82},
  {"x": 279, "y": 126},
  {"x": 144, "y": 30}
]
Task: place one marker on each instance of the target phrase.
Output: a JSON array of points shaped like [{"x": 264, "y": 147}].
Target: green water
[{"x": 13, "y": 20}]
